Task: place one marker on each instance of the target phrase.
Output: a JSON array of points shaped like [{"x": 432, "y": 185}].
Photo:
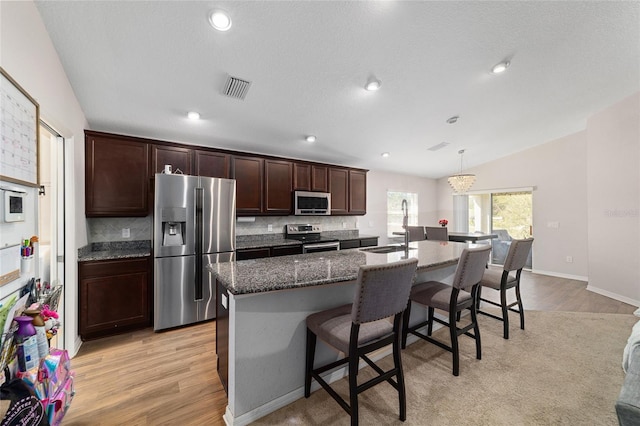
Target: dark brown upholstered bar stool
[
  {"x": 416, "y": 233},
  {"x": 439, "y": 233},
  {"x": 461, "y": 295},
  {"x": 382, "y": 292},
  {"x": 504, "y": 280}
]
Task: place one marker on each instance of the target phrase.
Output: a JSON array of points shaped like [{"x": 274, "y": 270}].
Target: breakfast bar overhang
[{"x": 262, "y": 305}]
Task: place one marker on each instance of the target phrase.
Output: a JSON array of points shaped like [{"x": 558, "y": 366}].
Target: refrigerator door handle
[{"x": 199, "y": 197}]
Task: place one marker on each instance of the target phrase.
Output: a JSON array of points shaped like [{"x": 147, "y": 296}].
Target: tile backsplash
[
  {"x": 260, "y": 224},
  {"x": 108, "y": 229}
]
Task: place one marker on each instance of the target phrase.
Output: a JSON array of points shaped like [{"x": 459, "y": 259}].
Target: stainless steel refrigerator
[{"x": 193, "y": 226}]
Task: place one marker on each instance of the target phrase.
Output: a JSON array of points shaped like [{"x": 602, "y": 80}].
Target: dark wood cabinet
[
  {"x": 319, "y": 178},
  {"x": 113, "y": 296},
  {"x": 119, "y": 173},
  {"x": 222, "y": 334},
  {"x": 252, "y": 253},
  {"x": 278, "y": 187},
  {"x": 369, "y": 242},
  {"x": 258, "y": 253},
  {"x": 248, "y": 173},
  {"x": 179, "y": 158},
  {"x": 301, "y": 177},
  {"x": 211, "y": 164},
  {"x": 357, "y": 192},
  {"x": 339, "y": 189},
  {"x": 349, "y": 244},
  {"x": 116, "y": 176},
  {"x": 286, "y": 250},
  {"x": 358, "y": 242}
]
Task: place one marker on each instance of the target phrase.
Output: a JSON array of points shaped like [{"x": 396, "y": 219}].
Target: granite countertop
[
  {"x": 303, "y": 270},
  {"x": 272, "y": 240},
  {"x": 114, "y": 250}
]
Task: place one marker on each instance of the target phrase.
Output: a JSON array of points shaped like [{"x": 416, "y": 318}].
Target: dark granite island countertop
[
  {"x": 262, "y": 305},
  {"x": 289, "y": 272}
]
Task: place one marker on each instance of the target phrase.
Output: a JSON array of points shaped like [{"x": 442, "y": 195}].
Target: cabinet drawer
[
  {"x": 348, "y": 244},
  {"x": 286, "y": 250},
  {"x": 257, "y": 253},
  {"x": 368, "y": 242}
]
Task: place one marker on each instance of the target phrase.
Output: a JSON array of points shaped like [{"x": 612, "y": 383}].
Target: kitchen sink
[{"x": 385, "y": 249}]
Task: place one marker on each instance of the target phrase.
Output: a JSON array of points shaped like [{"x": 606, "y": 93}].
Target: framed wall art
[{"x": 19, "y": 133}]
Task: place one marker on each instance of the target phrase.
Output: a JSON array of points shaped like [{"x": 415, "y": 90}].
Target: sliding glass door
[{"x": 508, "y": 215}]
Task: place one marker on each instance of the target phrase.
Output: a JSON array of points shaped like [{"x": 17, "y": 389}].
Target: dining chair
[
  {"x": 382, "y": 292},
  {"x": 416, "y": 233},
  {"x": 504, "y": 280},
  {"x": 454, "y": 298},
  {"x": 439, "y": 233}
]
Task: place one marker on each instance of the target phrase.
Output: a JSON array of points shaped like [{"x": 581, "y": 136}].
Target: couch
[{"x": 628, "y": 403}]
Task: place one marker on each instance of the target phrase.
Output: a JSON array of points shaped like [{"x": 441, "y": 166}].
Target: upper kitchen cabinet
[
  {"x": 348, "y": 188},
  {"x": 301, "y": 177},
  {"x": 212, "y": 164},
  {"x": 116, "y": 176},
  {"x": 357, "y": 192},
  {"x": 319, "y": 178},
  {"x": 178, "y": 158},
  {"x": 278, "y": 186},
  {"x": 248, "y": 173},
  {"x": 339, "y": 189}
]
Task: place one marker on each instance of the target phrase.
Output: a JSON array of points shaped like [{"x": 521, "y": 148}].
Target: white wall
[
  {"x": 589, "y": 183},
  {"x": 378, "y": 183},
  {"x": 557, "y": 171},
  {"x": 27, "y": 54},
  {"x": 613, "y": 166}
]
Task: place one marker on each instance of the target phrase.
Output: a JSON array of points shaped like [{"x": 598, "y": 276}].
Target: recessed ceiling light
[
  {"x": 501, "y": 67},
  {"x": 453, "y": 120},
  {"x": 373, "y": 84},
  {"x": 192, "y": 115},
  {"x": 310, "y": 138},
  {"x": 384, "y": 154},
  {"x": 220, "y": 20}
]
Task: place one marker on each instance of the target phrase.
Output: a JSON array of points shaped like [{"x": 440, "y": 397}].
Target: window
[{"x": 394, "y": 210}]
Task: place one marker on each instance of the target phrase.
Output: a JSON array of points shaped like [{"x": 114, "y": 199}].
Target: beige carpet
[{"x": 564, "y": 369}]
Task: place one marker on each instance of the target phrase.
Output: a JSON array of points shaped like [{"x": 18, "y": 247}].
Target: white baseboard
[
  {"x": 609, "y": 294},
  {"x": 614, "y": 296},
  {"x": 560, "y": 275},
  {"x": 298, "y": 393}
]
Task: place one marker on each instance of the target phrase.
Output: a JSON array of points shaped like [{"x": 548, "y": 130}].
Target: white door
[{"x": 51, "y": 219}]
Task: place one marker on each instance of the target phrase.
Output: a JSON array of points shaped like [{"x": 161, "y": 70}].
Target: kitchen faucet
[{"x": 405, "y": 223}]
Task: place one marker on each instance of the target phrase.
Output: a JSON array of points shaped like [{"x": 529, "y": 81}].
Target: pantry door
[{"x": 51, "y": 219}]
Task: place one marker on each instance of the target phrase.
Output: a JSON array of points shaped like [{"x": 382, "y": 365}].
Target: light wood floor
[{"x": 169, "y": 378}]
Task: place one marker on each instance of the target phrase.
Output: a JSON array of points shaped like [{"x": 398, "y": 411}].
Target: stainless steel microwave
[{"x": 307, "y": 203}]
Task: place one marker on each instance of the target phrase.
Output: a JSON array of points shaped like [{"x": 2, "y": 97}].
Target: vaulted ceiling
[{"x": 138, "y": 67}]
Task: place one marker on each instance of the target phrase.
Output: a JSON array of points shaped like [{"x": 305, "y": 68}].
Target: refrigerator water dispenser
[{"x": 173, "y": 226}]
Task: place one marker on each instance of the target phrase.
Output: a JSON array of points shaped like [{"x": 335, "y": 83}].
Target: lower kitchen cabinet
[
  {"x": 222, "y": 334},
  {"x": 369, "y": 242},
  {"x": 257, "y": 253},
  {"x": 286, "y": 250},
  {"x": 358, "y": 242},
  {"x": 348, "y": 244},
  {"x": 113, "y": 296}
]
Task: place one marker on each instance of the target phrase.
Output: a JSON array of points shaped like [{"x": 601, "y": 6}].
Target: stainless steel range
[{"x": 310, "y": 235}]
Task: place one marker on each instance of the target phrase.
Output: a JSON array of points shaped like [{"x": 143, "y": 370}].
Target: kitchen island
[{"x": 262, "y": 305}]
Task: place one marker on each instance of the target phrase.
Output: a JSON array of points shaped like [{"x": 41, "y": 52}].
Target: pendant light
[{"x": 461, "y": 182}]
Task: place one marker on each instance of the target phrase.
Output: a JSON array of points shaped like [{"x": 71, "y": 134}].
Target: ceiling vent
[
  {"x": 236, "y": 88},
  {"x": 439, "y": 146}
]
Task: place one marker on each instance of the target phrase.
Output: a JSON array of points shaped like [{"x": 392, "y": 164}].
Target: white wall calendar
[{"x": 19, "y": 133}]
